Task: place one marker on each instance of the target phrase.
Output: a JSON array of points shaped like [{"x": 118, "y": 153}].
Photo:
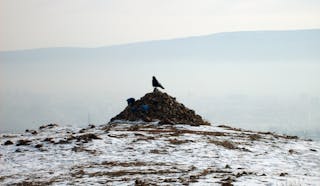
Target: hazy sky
[{"x": 28, "y": 24}]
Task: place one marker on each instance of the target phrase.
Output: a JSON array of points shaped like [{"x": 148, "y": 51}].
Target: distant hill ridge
[{"x": 228, "y": 46}]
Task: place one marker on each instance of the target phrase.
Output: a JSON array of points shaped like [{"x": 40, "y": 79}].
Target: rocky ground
[{"x": 152, "y": 154}]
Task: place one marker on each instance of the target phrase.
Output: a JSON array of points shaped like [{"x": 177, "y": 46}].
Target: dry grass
[
  {"x": 254, "y": 137},
  {"x": 120, "y": 173},
  {"x": 179, "y": 142},
  {"x": 231, "y": 128},
  {"x": 143, "y": 183},
  {"x": 156, "y": 151},
  {"x": 78, "y": 174},
  {"x": 205, "y": 172},
  {"x": 177, "y": 132},
  {"x": 87, "y": 137},
  {"x": 243, "y": 173},
  {"x": 124, "y": 164},
  {"x": 145, "y": 138},
  {"x": 169, "y": 129},
  {"x": 225, "y": 144},
  {"x": 263, "y": 133},
  {"x": 35, "y": 183},
  {"x": 132, "y": 164},
  {"x": 279, "y": 136},
  {"x": 118, "y": 135},
  {"x": 108, "y": 127},
  {"x": 134, "y": 128},
  {"x": 82, "y": 149}
]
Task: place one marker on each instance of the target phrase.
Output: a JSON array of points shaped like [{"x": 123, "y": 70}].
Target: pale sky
[{"x": 26, "y": 24}]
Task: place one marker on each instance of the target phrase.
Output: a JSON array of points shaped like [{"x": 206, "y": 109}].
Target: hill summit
[{"x": 159, "y": 106}]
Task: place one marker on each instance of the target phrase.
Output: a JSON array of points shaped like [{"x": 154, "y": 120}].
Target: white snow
[{"x": 155, "y": 154}]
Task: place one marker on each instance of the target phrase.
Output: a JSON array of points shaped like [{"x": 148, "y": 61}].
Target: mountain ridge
[
  {"x": 157, "y": 40},
  {"x": 243, "y": 45}
]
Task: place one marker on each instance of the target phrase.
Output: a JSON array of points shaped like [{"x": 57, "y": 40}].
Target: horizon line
[{"x": 155, "y": 40}]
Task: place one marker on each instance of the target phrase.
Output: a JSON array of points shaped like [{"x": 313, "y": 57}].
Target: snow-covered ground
[{"x": 146, "y": 154}]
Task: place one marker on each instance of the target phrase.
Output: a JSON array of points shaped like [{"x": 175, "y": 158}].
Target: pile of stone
[{"x": 159, "y": 106}]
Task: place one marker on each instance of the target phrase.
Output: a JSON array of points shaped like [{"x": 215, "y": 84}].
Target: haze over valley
[{"x": 261, "y": 80}]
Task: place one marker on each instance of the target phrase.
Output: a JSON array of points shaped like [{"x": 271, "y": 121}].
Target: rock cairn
[{"x": 159, "y": 106}]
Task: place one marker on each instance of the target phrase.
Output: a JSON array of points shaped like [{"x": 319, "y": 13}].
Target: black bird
[{"x": 155, "y": 83}]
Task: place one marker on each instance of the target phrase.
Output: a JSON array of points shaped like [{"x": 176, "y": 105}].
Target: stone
[
  {"x": 49, "y": 126},
  {"x": 8, "y": 142},
  {"x": 23, "y": 142}
]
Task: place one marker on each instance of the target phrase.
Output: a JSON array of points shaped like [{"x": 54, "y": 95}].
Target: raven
[{"x": 155, "y": 83}]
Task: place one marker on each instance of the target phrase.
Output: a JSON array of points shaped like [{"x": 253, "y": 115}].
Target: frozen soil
[{"x": 152, "y": 154}]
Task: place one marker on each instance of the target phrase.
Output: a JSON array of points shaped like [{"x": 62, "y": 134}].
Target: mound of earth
[{"x": 159, "y": 106}]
